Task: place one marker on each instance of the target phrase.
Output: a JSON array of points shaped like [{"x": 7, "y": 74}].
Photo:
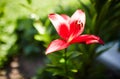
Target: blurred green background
[
  {"x": 20, "y": 22},
  {"x": 26, "y": 30}
]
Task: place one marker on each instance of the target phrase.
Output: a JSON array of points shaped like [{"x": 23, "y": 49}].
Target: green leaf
[
  {"x": 74, "y": 54},
  {"x": 29, "y": 1},
  {"x": 56, "y": 70}
]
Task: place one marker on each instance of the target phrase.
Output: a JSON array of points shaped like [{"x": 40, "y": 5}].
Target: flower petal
[
  {"x": 88, "y": 39},
  {"x": 56, "y": 45},
  {"x": 77, "y": 23},
  {"x": 66, "y": 17},
  {"x": 61, "y": 25}
]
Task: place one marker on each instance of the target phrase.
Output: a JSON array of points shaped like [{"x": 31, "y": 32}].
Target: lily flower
[{"x": 70, "y": 29}]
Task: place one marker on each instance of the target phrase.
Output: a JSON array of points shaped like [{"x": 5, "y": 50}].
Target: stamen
[{"x": 80, "y": 23}]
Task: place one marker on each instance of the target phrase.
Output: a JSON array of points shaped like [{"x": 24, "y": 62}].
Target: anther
[{"x": 79, "y": 23}]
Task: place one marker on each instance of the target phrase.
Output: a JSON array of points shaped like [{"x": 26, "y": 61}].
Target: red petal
[
  {"x": 56, "y": 45},
  {"x": 60, "y": 24},
  {"x": 88, "y": 39},
  {"x": 77, "y": 23}
]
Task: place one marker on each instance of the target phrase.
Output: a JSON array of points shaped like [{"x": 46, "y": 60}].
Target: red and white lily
[{"x": 70, "y": 30}]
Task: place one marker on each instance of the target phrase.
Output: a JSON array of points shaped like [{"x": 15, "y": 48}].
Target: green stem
[{"x": 65, "y": 57}]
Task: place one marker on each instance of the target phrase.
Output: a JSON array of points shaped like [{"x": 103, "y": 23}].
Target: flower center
[{"x": 70, "y": 39}]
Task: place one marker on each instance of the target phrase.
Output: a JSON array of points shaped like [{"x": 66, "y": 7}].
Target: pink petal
[
  {"x": 56, "y": 45},
  {"x": 77, "y": 23},
  {"x": 88, "y": 39},
  {"x": 66, "y": 17},
  {"x": 61, "y": 25}
]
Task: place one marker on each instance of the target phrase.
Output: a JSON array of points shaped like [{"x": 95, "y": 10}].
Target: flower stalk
[{"x": 65, "y": 57}]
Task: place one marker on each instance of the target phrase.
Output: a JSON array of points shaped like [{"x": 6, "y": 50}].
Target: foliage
[
  {"x": 16, "y": 28},
  {"x": 18, "y": 20},
  {"x": 7, "y": 36}
]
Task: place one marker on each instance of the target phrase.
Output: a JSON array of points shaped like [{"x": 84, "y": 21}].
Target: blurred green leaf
[{"x": 29, "y": 1}]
